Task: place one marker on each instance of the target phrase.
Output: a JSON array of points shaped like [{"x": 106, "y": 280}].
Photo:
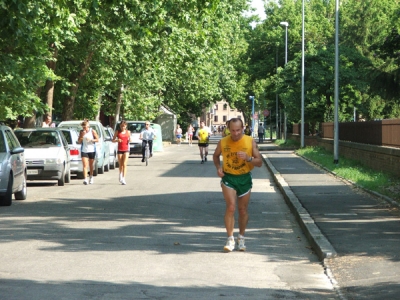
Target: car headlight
[{"x": 53, "y": 161}]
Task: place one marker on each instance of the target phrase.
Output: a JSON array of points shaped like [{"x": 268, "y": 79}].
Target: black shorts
[
  {"x": 90, "y": 155},
  {"x": 203, "y": 144},
  {"x": 123, "y": 152}
]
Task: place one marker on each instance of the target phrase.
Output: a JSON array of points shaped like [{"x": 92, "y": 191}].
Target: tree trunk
[
  {"x": 30, "y": 122},
  {"x": 119, "y": 103},
  {"x": 69, "y": 101},
  {"x": 50, "y": 83}
]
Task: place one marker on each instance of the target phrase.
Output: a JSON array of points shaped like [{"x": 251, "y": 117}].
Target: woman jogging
[
  {"x": 88, "y": 138},
  {"x": 122, "y": 137}
]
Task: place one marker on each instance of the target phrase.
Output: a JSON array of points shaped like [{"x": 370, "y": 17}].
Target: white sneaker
[
  {"x": 91, "y": 180},
  {"x": 85, "y": 182},
  {"x": 120, "y": 177},
  {"x": 241, "y": 245},
  {"x": 230, "y": 245},
  {"x": 123, "y": 181}
]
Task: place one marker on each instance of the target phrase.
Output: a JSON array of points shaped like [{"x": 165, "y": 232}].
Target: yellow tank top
[
  {"x": 231, "y": 163},
  {"x": 203, "y": 135}
]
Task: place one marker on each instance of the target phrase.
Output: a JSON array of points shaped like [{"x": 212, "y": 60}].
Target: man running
[
  {"x": 203, "y": 135},
  {"x": 240, "y": 155}
]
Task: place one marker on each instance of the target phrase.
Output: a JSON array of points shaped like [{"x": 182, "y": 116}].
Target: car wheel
[
  {"x": 107, "y": 167},
  {"x": 61, "y": 181},
  {"x": 22, "y": 194},
  {"x": 68, "y": 176},
  {"x": 112, "y": 165},
  {"x": 95, "y": 170},
  {"x": 6, "y": 200},
  {"x": 101, "y": 169}
]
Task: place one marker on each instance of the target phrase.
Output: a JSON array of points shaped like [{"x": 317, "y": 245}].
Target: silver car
[
  {"x": 72, "y": 135},
  {"x": 113, "y": 148},
  {"x": 46, "y": 153},
  {"x": 12, "y": 168}
]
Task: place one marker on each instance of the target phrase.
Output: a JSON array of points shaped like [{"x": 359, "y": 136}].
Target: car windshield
[
  {"x": 38, "y": 139},
  {"x": 136, "y": 127},
  {"x": 2, "y": 143}
]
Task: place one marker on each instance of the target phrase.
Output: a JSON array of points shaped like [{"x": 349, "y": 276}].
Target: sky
[{"x": 259, "y": 6}]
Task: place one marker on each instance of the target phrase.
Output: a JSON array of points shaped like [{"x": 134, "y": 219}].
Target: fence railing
[{"x": 381, "y": 133}]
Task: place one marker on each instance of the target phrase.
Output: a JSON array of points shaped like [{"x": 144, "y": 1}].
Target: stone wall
[{"x": 379, "y": 158}]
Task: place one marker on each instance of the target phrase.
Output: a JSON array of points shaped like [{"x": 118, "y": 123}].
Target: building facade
[{"x": 219, "y": 113}]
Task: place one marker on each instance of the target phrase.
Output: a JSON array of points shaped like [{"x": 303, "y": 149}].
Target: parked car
[
  {"x": 113, "y": 147},
  {"x": 46, "y": 154},
  {"x": 102, "y": 146},
  {"x": 72, "y": 135},
  {"x": 135, "y": 127},
  {"x": 12, "y": 168}
]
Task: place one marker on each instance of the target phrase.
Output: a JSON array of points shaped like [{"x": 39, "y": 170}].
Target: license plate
[{"x": 33, "y": 172}]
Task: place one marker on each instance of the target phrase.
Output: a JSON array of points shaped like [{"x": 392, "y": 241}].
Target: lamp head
[{"x": 285, "y": 24}]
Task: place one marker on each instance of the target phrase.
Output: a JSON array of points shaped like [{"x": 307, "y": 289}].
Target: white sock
[
  {"x": 231, "y": 237},
  {"x": 240, "y": 236}
]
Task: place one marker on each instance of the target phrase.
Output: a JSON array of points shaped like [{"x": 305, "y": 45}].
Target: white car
[
  {"x": 12, "y": 168},
  {"x": 46, "y": 153},
  {"x": 102, "y": 146},
  {"x": 135, "y": 144}
]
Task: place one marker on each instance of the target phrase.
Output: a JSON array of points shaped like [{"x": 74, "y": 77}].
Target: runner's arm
[{"x": 217, "y": 161}]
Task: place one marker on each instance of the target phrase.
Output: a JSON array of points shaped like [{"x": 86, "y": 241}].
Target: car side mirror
[{"x": 17, "y": 150}]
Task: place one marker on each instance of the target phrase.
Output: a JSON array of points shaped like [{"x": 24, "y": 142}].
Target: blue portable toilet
[{"x": 157, "y": 143}]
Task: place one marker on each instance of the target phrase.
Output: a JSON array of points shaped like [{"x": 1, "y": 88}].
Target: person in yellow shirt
[
  {"x": 203, "y": 135},
  {"x": 240, "y": 155}
]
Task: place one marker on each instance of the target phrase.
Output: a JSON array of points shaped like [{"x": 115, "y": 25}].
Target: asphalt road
[{"x": 159, "y": 237}]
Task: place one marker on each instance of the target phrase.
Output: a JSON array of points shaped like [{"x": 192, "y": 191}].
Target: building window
[
  {"x": 215, "y": 118},
  {"x": 224, "y": 118},
  {"x": 225, "y": 106},
  {"x": 239, "y": 117},
  {"x": 216, "y": 106}
]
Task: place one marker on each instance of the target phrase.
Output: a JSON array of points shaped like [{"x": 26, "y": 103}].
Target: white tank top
[{"x": 87, "y": 146}]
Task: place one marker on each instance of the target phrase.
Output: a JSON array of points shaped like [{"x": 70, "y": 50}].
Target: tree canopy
[{"x": 76, "y": 58}]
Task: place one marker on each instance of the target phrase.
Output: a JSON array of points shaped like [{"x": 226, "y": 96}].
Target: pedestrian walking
[
  {"x": 203, "y": 135},
  {"x": 240, "y": 155},
  {"x": 88, "y": 138},
  {"x": 122, "y": 136},
  {"x": 261, "y": 132}
]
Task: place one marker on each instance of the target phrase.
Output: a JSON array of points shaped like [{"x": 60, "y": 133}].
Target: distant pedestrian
[
  {"x": 47, "y": 122},
  {"x": 261, "y": 132},
  {"x": 226, "y": 131},
  {"x": 122, "y": 136},
  {"x": 189, "y": 133},
  {"x": 178, "y": 134},
  {"x": 240, "y": 155}
]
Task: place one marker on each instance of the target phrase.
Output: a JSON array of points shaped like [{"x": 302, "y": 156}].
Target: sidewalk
[{"x": 356, "y": 235}]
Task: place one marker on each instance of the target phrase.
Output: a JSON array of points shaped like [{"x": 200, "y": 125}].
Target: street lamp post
[
  {"x": 302, "y": 78},
  {"x": 336, "y": 117},
  {"x": 252, "y": 114},
  {"x": 286, "y": 25}
]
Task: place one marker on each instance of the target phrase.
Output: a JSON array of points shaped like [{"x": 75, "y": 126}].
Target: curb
[{"x": 322, "y": 247}]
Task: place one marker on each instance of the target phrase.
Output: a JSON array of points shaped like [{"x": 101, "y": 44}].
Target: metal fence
[{"x": 380, "y": 133}]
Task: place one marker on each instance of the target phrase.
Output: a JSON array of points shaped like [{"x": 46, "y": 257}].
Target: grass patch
[
  {"x": 354, "y": 171},
  {"x": 287, "y": 143}
]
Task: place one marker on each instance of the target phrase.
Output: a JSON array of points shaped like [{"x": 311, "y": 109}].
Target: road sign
[{"x": 266, "y": 113}]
